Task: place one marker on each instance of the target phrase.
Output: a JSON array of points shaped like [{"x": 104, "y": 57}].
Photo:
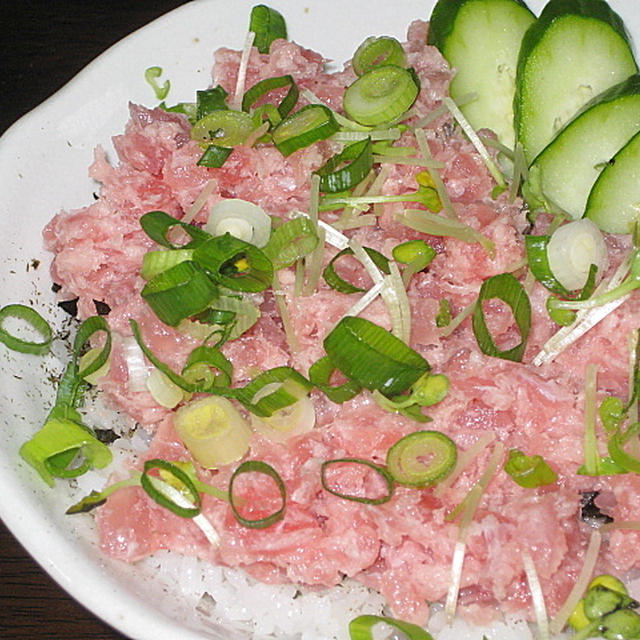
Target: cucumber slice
[
  {"x": 574, "y": 51},
  {"x": 480, "y": 39},
  {"x": 565, "y": 171},
  {"x": 614, "y": 201}
]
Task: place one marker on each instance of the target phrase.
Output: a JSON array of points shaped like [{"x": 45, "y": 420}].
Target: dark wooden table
[{"x": 42, "y": 46}]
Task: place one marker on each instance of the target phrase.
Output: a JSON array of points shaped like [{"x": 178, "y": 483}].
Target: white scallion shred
[
  {"x": 414, "y": 162},
  {"x": 580, "y": 585},
  {"x": 476, "y": 142},
  {"x": 585, "y": 319},
  {"x": 392, "y": 133},
  {"x": 367, "y": 262},
  {"x": 469, "y": 506},
  {"x": 179, "y": 499},
  {"x": 281, "y": 305},
  {"x": 137, "y": 368},
  {"x": 199, "y": 202},
  {"x": 520, "y": 171},
  {"x": 396, "y": 300},
  {"x": 236, "y": 101},
  {"x": 537, "y": 597},
  {"x": 463, "y": 461},
  {"x": 313, "y": 262},
  {"x": 365, "y": 300}
]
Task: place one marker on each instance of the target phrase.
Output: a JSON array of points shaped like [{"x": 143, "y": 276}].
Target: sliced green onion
[
  {"x": 361, "y": 628},
  {"x": 226, "y": 318},
  {"x": 294, "y": 239},
  {"x": 310, "y": 124},
  {"x": 268, "y": 25},
  {"x": 209, "y": 100},
  {"x": 339, "y": 284},
  {"x": 258, "y": 466},
  {"x": 224, "y": 128},
  {"x": 320, "y": 374},
  {"x": 422, "y": 458},
  {"x": 381, "y": 471},
  {"x": 157, "y": 495},
  {"x": 267, "y": 405},
  {"x": 381, "y": 95},
  {"x": 379, "y": 51},
  {"x": 373, "y": 357},
  {"x": 213, "y": 431},
  {"x": 506, "y": 288},
  {"x": 269, "y": 84},
  {"x": 87, "y": 359},
  {"x": 235, "y": 264},
  {"x": 199, "y": 364},
  {"x": 55, "y": 446},
  {"x": 529, "y": 471},
  {"x": 34, "y": 320},
  {"x": 201, "y": 384},
  {"x": 290, "y": 421},
  {"x": 335, "y": 178},
  {"x": 151, "y": 75},
  {"x": 214, "y": 156},
  {"x": 158, "y": 225},
  {"x": 179, "y": 292},
  {"x": 242, "y": 219},
  {"x": 155, "y": 262}
]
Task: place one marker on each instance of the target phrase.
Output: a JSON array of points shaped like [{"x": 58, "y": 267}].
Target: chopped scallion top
[{"x": 268, "y": 25}]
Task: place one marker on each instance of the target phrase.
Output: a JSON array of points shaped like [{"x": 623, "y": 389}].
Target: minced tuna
[{"x": 403, "y": 548}]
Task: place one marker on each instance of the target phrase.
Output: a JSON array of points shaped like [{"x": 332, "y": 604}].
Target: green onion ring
[
  {"x": 155, "y": 262},
  {"x": 268, "y": 25},
  {"x": 86, "y": 329},
  {"x": 31, "y": 317},
  {"x": 276, "y": 400},
  {"x": 157, "y": 224},
  {"x": 209, "y": 357},
  {"x": 224, "y": 127},
  {"x": 360, "y": 628},
  {"x": 179, "y": 292},
  {"x": 339, "y": 284},
  {"x": 310, "y": 124},
  {"x": 160, "y": 498},
  {"x": 405, "y": 458},
  {"x": 291, "y": 241},
  {"x": 381, "y": 471},
  {"x": 381, "y": 95},
  {"x": 320, "y": 374},
  {"x": 235, "y": 264},
  {"x": 335, "y": 178},
  {"x": 506, "y": 288},
  {"x": 258, "y": 466},
  {"x": 207, "y": 386},
  {"x": 375, "y": 52},
  {"x": 269, "y": 84},
  {"x": 373, "y": 357}
]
